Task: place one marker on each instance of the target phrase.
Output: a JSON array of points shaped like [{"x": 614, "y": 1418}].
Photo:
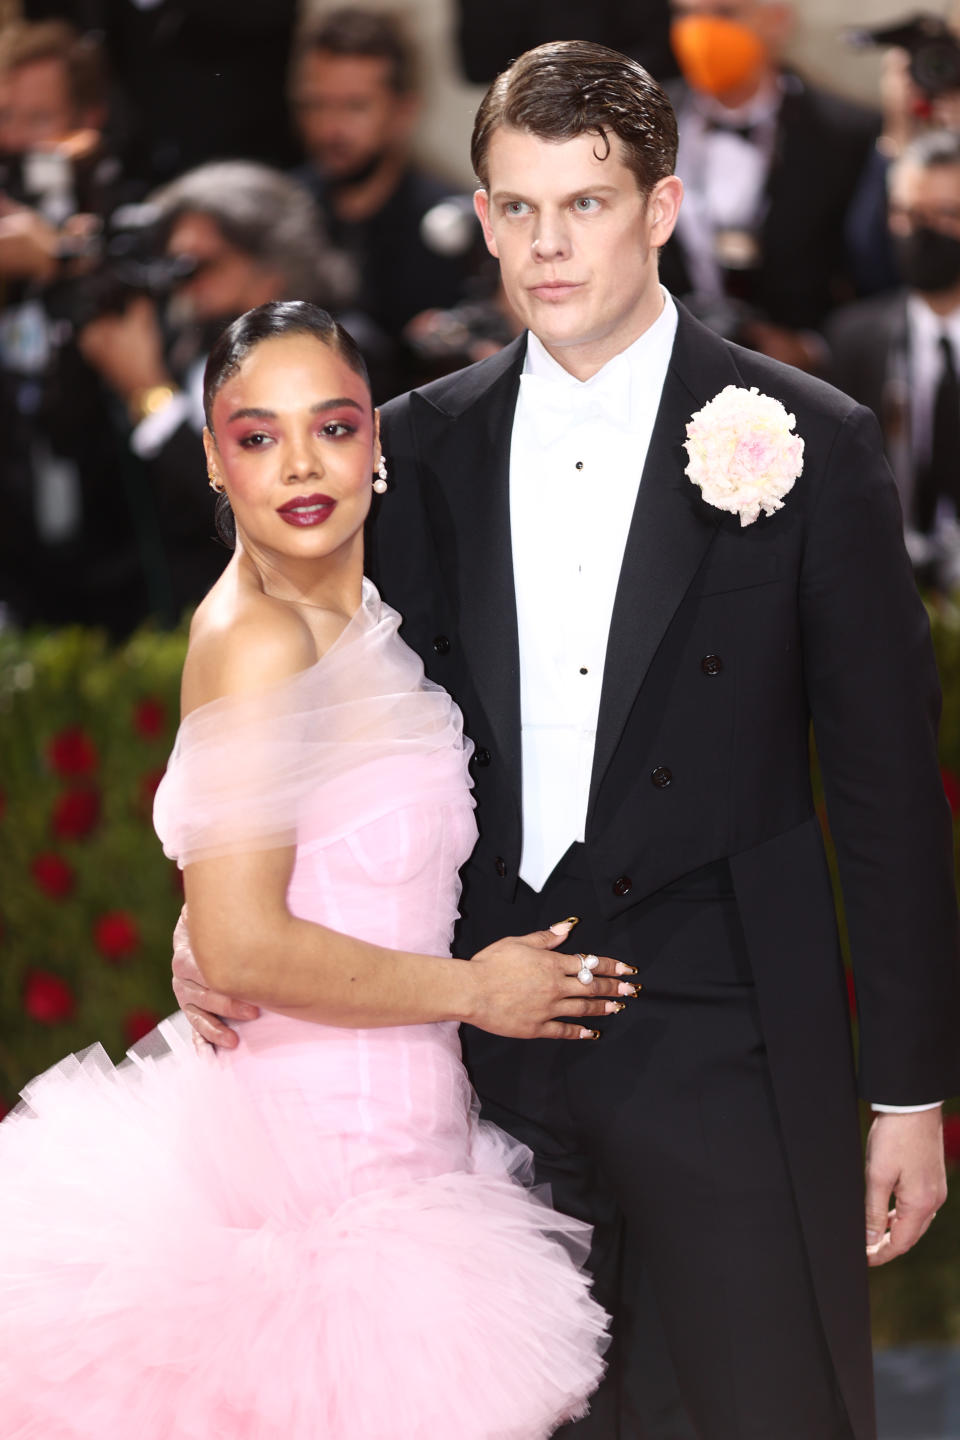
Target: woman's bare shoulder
[{"x": 242, "y": 642}]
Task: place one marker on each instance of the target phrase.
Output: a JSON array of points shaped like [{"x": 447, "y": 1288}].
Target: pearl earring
[{"x": 380, "y": 484}]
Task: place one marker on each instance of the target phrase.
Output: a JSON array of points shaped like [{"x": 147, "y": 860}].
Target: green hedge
[{"x": 88, "y": 901}]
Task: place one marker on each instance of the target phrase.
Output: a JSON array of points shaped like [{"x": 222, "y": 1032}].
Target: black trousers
[{"x": 664, "y": 1136}]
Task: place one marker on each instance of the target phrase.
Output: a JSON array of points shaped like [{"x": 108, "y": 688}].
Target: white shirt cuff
[
  {"x": 905, "y": 1109},
  {"x": 149, "y": 437}
]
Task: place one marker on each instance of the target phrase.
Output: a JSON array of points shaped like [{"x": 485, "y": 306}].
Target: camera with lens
[
  {"x": 104, "y": 271},
  {"x": 933, "y": 48}
]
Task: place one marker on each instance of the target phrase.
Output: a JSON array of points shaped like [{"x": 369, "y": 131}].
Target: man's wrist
[{"x": 149, "y": 400}]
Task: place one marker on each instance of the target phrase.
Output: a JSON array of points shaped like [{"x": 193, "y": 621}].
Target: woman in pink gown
[{"x": 310, "y": 1237}]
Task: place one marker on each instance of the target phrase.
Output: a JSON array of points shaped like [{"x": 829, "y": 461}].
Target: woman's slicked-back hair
[
  {"x": 573, "y": 87},
  {"x": 270, "y": 322}
]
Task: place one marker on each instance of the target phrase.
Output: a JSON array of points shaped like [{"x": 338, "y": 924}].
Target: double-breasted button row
[
  {"x": 711, "y": 664},
  {"x": 482, "y": 757},
  {"x": 661, "y": 777},
  {"x": 441, "y": 645},
  {"x": 622, "y": 885}
]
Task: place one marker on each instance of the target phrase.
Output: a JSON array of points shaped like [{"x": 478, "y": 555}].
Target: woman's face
[{"x": 295, "y": 445}]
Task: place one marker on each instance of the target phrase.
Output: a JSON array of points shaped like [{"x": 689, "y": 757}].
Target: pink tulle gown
[{"x": 311, "y": 1237}]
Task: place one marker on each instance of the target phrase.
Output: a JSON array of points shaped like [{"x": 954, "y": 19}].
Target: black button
[
  {"x": 622, "y": 885},
  {"x": 711, "y": 664},
  {"x": 500, "y": 865},
  {"x": 661, "y": 777},
  {"x": 579, "y": 465},
  {"x": 441, "y": 645},
  {"x": 482, "y": 757}
]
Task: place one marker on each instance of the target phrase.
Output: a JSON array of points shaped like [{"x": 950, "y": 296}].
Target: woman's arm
[{"x": 249, "y": 946}]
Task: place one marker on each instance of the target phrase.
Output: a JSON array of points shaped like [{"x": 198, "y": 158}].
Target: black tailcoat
[{"x": 809, "y": 614}]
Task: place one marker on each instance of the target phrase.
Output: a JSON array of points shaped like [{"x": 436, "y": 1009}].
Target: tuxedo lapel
[
  {"x": 466, "y": 433},
  {"x": 668, "y": 538}
]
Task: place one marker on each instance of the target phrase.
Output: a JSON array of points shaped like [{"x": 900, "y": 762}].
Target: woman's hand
[
  {"x": 521, "y": 986},
  {"x": 206, "y": 1010}
]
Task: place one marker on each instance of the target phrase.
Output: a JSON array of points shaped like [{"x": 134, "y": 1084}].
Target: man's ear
[
  {"x": 663, "y": 207},
  {"x": 481, "y": 204}
]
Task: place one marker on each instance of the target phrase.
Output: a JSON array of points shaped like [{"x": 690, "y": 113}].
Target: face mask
[
  {"x": 716, "y": 56},
  {"x": 929, "y": 261}
]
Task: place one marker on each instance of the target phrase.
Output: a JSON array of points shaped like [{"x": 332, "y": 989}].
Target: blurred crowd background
[{"x": 166, "y": 164}]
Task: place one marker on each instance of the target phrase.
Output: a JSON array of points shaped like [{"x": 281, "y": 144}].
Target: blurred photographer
[
  {"x": 769, "y": 163},
  {"x": 67, "y": 548},
  {"x": 900, "y": 353},
  {"x": 919, "y": 91},
  {"x": 237, "y": 234},
  {"x": 355, "y": 100}
]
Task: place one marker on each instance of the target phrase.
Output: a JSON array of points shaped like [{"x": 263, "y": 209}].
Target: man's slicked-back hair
[{"x": 573, "y": 87}]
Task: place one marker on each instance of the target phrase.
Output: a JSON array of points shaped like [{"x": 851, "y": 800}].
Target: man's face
[
  {"x": 226, "y": 282},
  {"x": 576, "y": 241},
  {"x": 928, "y": 198},
  {"x": 347, "y": 112},
  {"x": 36, "y": 108}
]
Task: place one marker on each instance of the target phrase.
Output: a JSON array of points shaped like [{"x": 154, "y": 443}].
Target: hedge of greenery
[{"x": 88, "y": 901}]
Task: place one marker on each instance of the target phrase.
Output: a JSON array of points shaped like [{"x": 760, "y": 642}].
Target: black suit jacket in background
[
  {"x": 823, "y": 143},
  {"x": 813, "y": 613},
  {"x": 870, "y": 360}
]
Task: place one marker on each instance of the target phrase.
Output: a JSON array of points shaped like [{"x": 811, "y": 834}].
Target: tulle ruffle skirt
[{"x": 164, "y": 1275}]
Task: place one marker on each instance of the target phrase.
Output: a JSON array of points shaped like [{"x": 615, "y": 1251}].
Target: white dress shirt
[
  {"x": 576, "y": 457},
  {"x": 924, "y": 330}
]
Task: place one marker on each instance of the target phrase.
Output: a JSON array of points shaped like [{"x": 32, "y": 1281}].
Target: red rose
[
  {"x": 116, "y": 935},
  {"x": 47, "y": 998},
  {"x": 851, "y": 995},
  {"x": 150, "y": 718},
  {"x": 951, "y": 788},
  {"x": 139, "y": 1023},
  {"x": 951, "y": 1139},
  {"x": 72, "y": 752},
  {"x": 52, "y": 875},
  {"x": 76, "y": 813}
]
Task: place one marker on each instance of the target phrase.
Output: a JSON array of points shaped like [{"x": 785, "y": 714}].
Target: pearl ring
[{"x": 588, "y": 963}]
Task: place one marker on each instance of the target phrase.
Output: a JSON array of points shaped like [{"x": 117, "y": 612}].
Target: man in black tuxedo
[
  {"x": 639, "y": 670},
  {"x": 770, "y": 164},
  {"x": 899, "y": 353}
]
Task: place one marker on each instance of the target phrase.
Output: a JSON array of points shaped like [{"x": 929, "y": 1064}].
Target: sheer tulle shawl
[{"x": 244, "y": 771}]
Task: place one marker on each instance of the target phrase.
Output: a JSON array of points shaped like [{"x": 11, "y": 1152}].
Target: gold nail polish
[
  {"x": 615, "y": 1006},
  {"x": 572, "y": 920}
]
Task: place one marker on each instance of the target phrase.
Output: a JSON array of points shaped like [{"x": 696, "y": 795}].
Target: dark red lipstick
[{"x": 306, "y": 510}]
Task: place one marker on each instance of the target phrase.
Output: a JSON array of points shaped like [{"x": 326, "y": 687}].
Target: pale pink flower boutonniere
[{"x": 743, "y": 454}]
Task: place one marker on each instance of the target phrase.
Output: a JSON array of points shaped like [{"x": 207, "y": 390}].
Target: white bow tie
[{"x": 555, "y": 405}]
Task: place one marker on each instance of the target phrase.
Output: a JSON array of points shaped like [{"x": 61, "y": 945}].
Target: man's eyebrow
[
  {"x": 254, "y": 412},
  {"x": 501, "y": 197}
]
